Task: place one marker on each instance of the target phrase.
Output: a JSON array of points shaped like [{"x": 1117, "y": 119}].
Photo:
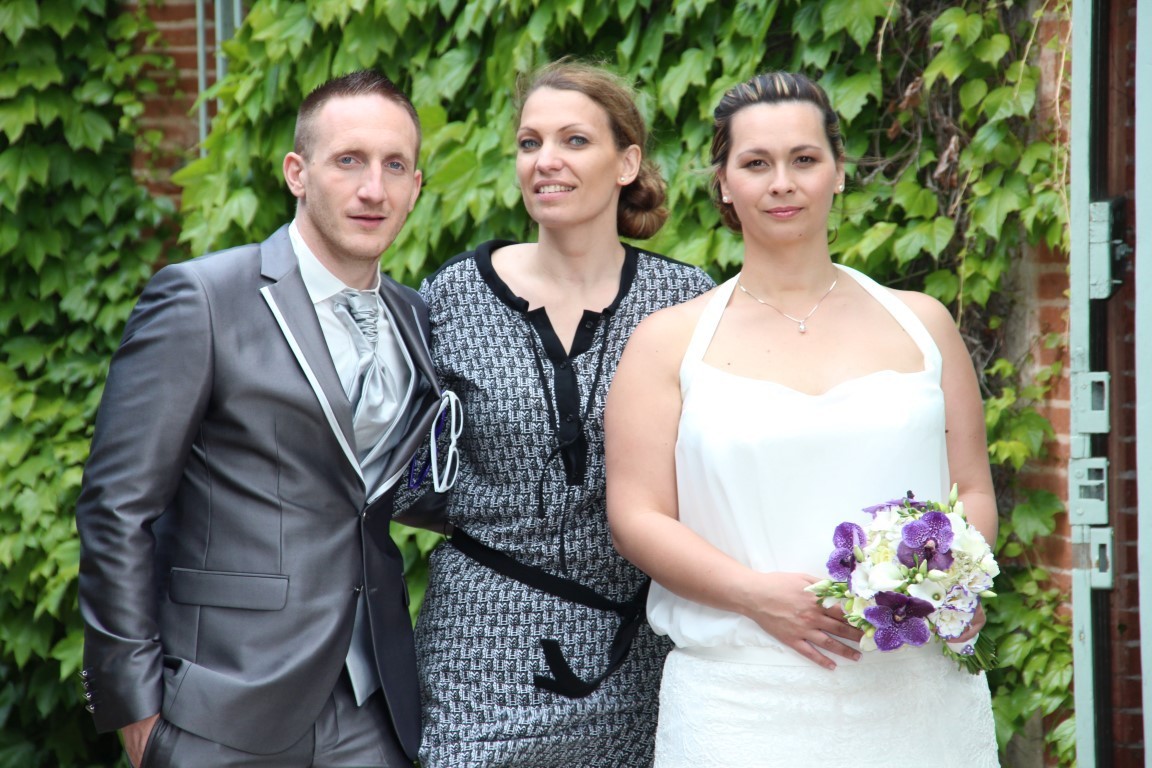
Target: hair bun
[{"x": 642, "y": 213}]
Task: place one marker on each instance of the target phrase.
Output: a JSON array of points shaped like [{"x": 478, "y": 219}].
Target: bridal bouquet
[{"x": 917, "y": 569}]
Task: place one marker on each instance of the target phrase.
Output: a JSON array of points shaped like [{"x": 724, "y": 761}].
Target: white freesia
[
  {"x": 869, "y": 578},
  {"x": 931, "y": 590}
]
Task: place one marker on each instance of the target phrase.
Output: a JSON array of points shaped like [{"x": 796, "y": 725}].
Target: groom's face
[{"x": 357, "y": 179}]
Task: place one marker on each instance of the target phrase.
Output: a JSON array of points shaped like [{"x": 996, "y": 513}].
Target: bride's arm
[
  {"x": 964, "y": 427},
  {"x": 641, "y": 420}
]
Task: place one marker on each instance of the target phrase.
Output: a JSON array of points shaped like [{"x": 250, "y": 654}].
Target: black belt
[{"x": 564, "y": 681}]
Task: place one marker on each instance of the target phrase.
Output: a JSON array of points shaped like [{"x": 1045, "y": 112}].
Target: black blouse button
[{"x": 589, "y": 324}]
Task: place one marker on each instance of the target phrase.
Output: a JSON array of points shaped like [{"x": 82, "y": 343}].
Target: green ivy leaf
[
  {"x": 1029, "y": 522},
  {"x": 929, "y": 237},
  {"x": 857, "y": 17},
  {"x": 943, "y": 284},
  {"x": 241, "y": 207},
  {"x": 951, "y": 62},
  {"x": 1008, "y": 101},
  {"x": 916, "y": 201},
  {"x": 807, "y": 22},
  {"x": 16, "y": 115},
  {"x": 873, "y": 239},
  {"x": 21, "y": 165},
  {"x": 17, "y": 17},
  {"x": 39, "y": 75},
  {"x": 692, "y": 69},
  {"x": 972, "y": 93},
  {"x": 990, "y": 211},
  {"x": 957, "y": 23},
  {"x": 992, "y": 49},
  {"x": 451, "y": 72},
  {"x": 849, "y": 95},
  {"x": 59, "y": 15},
  {"x": 87, "y": 129}
]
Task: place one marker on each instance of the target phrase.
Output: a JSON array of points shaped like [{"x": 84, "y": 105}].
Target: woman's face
[
  {"x": 567, "y": 163},
  {"x": 781, "y": 175}
]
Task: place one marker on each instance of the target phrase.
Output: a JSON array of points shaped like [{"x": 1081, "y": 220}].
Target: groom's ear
[{"x": 295, "y": 174}]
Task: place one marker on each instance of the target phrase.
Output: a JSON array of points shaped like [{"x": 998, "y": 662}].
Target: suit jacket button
[
  {"x": 91, "y": 708},
  {"x": 84, "y": 675}
]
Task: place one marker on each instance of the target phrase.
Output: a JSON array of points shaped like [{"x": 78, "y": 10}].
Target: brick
[
  {"x": 1128, "y": 727},
  {"x": 1052, "y": 286},
  {"x": 1053, "y": 318}
]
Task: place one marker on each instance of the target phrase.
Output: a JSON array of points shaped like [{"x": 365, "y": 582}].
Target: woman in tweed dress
[{"x": 529, "y": 334}]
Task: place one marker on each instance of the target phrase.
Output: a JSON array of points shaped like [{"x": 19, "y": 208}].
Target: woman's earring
[
  {"x": 724, "y": 199},
  {"x": 840, "y": 188},
  {"x": 623, "y": 179}
]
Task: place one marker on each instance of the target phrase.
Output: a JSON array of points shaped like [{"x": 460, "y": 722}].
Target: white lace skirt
[{"x": 913, "y": 706}]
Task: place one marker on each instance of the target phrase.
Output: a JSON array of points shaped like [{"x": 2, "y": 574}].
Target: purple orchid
[
  {"x": 847, "y": 537},
  {"x": 899, "y": 620},
  {"x": 904, "y": 502},
  {"x": 927, "y": 540}
]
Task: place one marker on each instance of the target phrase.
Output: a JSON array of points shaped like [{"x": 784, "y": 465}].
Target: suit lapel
[
  {"x": 292, "y": 307},
  {"x": 408, "y": 326}
]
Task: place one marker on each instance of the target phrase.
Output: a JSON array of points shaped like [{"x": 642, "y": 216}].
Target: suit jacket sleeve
[
  {"x": 157, "y": 390},
  {"x": 415, "y": 503}
]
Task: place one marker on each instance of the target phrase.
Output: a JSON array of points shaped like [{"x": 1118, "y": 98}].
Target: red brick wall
[
  {"x": 173, "y": 109},
  {"x": 1123, "y": 602},
  {"x": 1043, "y": 287}
]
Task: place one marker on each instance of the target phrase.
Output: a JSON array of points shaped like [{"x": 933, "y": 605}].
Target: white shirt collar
[{"x": 321, "y": 283}]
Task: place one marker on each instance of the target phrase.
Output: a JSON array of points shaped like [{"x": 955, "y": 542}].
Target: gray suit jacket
[{"x": 225, "y": 527}]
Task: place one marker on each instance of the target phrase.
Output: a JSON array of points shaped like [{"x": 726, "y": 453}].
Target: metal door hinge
[
  {"x": 1090, "y": 402},
  {"x": 1107, "y": 255},
  {"x": 1092, "y": 552},
  {"x": 1088, "y": 491}
]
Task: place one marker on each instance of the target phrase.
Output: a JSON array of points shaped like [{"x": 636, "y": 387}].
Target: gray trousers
[{"x": 345, "y": 736}]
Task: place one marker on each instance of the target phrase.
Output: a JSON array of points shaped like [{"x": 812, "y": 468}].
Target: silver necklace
[{"x": 801, "y": 322}]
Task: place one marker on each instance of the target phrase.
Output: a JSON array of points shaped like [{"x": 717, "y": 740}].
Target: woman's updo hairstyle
[
  {"x": 768, "y": 88},
  {"x": 641, "y": 211}
]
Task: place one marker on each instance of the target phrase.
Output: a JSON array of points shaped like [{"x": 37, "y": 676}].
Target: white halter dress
[{"x": 765, "y": 473}]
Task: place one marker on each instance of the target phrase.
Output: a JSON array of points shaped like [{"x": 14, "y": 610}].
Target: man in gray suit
[{"x": 244, "y": 602}]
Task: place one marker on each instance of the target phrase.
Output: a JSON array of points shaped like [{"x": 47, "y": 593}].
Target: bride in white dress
[{"x": 744, "y": 425}]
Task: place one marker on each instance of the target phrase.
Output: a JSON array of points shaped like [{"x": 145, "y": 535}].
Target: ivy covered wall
[{"x": 78, "y": 238}]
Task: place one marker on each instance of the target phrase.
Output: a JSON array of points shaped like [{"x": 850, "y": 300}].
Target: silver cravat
[{"x": 368, "y": 388}]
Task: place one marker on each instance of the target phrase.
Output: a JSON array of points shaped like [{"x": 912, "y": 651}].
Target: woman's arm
[
  {"x": 963, "y": 417},
  {"x": 641, "y": 421}
]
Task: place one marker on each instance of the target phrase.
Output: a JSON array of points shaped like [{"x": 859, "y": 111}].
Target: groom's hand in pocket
[{"x": 135, "y": 738}]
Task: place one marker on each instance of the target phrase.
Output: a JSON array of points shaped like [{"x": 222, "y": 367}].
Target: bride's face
[{"x": 781, "y": 175}]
